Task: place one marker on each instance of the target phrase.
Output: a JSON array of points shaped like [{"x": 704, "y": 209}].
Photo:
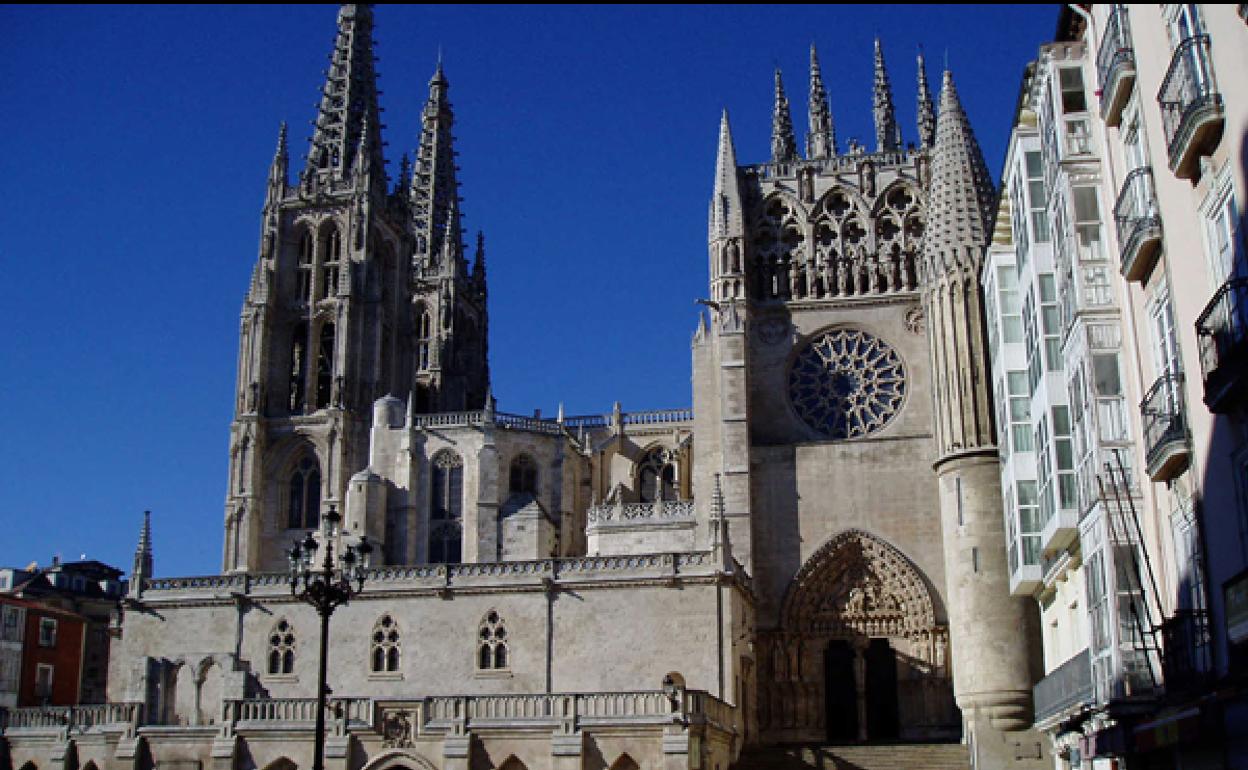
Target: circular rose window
[{"x": 846, "y": 383}]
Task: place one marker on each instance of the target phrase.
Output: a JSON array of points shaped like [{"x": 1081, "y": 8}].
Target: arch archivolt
[{"x": 399, "y": 758}]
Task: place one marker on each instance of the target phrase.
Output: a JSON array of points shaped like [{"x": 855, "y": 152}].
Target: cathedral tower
[
  {"x": 359, "y": 291},
  {"x": 992, "y": 632}
]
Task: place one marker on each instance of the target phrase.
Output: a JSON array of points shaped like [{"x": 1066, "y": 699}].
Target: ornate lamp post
[{"x": 325, "y": 589}]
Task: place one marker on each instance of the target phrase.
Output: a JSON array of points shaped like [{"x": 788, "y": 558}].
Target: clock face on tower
[{"x": 846, "y": 383}]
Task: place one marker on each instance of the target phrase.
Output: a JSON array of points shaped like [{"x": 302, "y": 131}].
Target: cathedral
[{"x": 811, "y": 555}]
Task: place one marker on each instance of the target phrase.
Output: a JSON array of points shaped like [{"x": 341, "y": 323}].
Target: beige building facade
[{"x": 812, "y": 555}]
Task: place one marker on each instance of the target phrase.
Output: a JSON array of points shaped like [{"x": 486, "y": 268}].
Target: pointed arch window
[
  {"x": 385, "y": 647},
  {"x": 282, "y": 648},
  {"x": 303, "y": 504},
  {"x": 447, "y": 513},
  {"x": 492, "y": 643},
  {"x": 329, "y": 268},
  {"x": 325, "y": 366},
  {"x": 523, "y": 476},
  {"x": 305, "y": 266},
  {"x": 298, "y": 366},
  {"x": 424, "y": 333},
  {"x": 656, "y": 476}
]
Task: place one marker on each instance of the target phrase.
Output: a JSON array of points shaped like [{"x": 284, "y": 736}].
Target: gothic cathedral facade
[{"x": 812, "y": 554}]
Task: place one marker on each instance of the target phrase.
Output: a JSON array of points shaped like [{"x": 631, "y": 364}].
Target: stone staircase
[{"x": 898, "y": 756}]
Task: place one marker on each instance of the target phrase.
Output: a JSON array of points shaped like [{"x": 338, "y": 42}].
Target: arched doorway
[{"x": 859, "y": 655}]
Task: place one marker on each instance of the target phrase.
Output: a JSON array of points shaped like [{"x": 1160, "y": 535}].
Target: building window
[
  {"x": 1020, "y": 411},
  {"x": 1088, "y": 225},
  {"x": 1011, "y": 309},
  {"x": 47, "y": 632},
  {"x": 325, "y": 366},
  {"x": 523, "y": 476},
  {"x": 1221, "y": 230},
  {"x": 492, "y": 643},
  {"x": 43, "y": 682},
  {"x": 423, "y": 339},
  {"x": 304, "y": 499},
  {"x": 1050, "y": 323},
  {"x": 11, "y": 630},
  {"x": 447, "y": 514},
  {"x": 305, "y": 267},
  {"x": 385, "y": 649},
  {"x": 298, "y": 366},
  {"x": 282, "y": 649},
  {"x": 329, "y": 268},
  {"x": 656, "y": 476}
]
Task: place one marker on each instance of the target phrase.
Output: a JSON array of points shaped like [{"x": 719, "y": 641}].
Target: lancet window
[
  {"x": 523, "y": 476},
  {"x": 282, "y": 648},
  {"x": 492, "y": 643},
  {"x": 424, "y": 334},
  {"x": 305, "y": 266},
  {"x": 447, "y": 512},
  {"x": 385, "y": 647},
  {"x": 329, "y": 268},
  {"x": 325, "y": 366},
  {"x": 303, "y": 501},
  {"x": 298, "y": 366},
  {"x": 656, "y": 476}
]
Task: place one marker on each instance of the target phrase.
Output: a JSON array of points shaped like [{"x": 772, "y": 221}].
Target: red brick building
[{"x": 45, "y": 646}]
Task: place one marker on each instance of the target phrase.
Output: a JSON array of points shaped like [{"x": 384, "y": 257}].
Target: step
[{"x": 894, "y": 756}]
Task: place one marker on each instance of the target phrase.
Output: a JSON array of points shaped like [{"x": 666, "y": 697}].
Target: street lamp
[{"x": 325, "y": 589}]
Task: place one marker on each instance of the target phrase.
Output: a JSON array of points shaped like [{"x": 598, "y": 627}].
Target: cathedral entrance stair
[{"x": 901, "y": 756}]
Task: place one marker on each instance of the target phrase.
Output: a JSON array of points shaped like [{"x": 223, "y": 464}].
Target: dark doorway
[
  {"x": 882, "y": 722},
  {"x": 840, "y": 692}
]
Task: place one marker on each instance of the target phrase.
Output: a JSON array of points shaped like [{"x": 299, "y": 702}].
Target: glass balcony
[
  {"x": 1192, "y": 115},
  {"x": 1139, "y": 225},
  {"x": 1187, "y": 661},
  {"x": 1167, "y": 444},
  {"x": 1067, "y": 688},
  {"x": 1222, "y": 336},
  {"x": 1115, "y": 66}
]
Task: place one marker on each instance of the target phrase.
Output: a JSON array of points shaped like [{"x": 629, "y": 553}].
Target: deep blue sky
[{"x": 136, "y": 145}]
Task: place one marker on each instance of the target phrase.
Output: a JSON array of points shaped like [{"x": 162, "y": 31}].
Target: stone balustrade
[
  {"x": 626, "y": 513},
  {"x": 89, "y": 718}
]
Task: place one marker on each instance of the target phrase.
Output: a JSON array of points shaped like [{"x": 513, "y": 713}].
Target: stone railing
[
  {"x": 657, "y": 416},
  {"x": 629, "y": 513},
  {"x": 99, "y": 716},
  {"x": 448, "y": 419},
  {"x": 547, "y": 425},
  {"x": 839, "y": 163},
  {"x": 258, "y": 712}
]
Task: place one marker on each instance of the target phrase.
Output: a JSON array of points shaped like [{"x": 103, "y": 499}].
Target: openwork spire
[
  {"x": 142, "y": 557},
  {"x": 821, "y": 139},
  {"x": 348, "y": 100},
  {"x": 478, "y": 264},
  {"x": 279, "y": 170},
  {"x": 887, "y": 132},
  {"x": 926, "y": 112},
  {"x": 435, "y": 189},
  {"x": 783, "y": 141},
  {"x": 726, "y": 217},
  {"x": 961, "y": 196}
]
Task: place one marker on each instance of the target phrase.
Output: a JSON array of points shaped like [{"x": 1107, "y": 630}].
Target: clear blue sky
[{"x": 136, "y": 146}]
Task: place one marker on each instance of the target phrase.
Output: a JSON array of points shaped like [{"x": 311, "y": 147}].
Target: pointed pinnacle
[
  {"x": 783, "y": 142},
  {"x": 887, "y": 133},
  {"x": 821, "y": 137},
  {"x": 281, "y": 142},
  {"x": 926, "y": 110}
]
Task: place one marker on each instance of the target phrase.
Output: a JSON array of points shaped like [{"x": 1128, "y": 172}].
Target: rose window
[{"x": 846, "y": 383}]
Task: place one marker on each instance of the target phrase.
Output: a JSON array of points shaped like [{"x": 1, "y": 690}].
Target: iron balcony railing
[
  {"x": 1067, "y": 688},
  {"x": 1189, "y": 101},
  {"x": 1115, "y": 64},
  {"x": 1165, "y": 426},
  {"x": 1187, "y": 661},
  {"x": 1221, "y": 334},
  {"x": 1138, "y": 222}
]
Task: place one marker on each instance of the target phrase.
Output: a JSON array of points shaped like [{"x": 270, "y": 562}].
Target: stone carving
[
  {"x": 396, "y": 729},
  {"x": 847, "y": 384},
  {"x": 916, "y": 320}
]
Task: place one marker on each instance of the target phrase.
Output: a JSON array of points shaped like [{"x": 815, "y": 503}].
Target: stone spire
[
  {"x": 726, "y": 218},
  {"x": 961, "y": 195},
  {"x": 348, "y": 100},
  {"x": 279, "y": 174},
  {"x": 435, "y": 189},
  {"x": 783, "y": 142},
  {"x": 142, "y": 557},
  {"x": 478, "y": 264},
  {"x": 821, "y": 139},
  {"x": 926, "y": 111},
  {"x": 887, "y": 132}
]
